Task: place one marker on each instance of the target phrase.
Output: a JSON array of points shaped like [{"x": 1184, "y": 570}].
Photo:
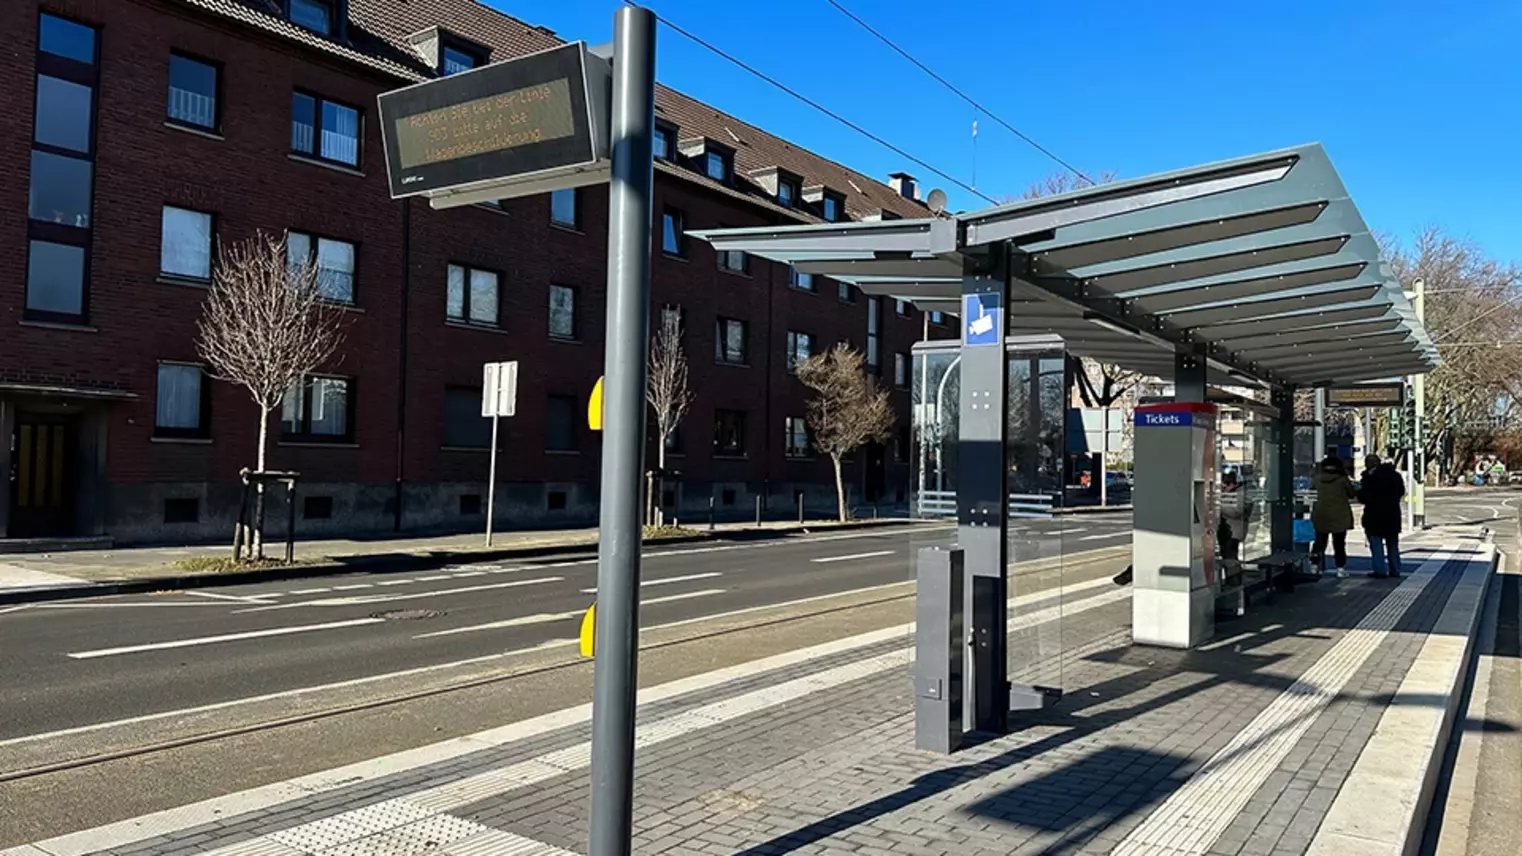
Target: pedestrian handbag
[{"x": 1305, "y": 532}]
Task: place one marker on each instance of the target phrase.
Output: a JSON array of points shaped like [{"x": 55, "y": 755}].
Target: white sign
[{"x": 499, "y": 389}]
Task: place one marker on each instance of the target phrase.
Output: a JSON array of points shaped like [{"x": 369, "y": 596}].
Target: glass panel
[
  {"x": 562, "y": 312},
  {"x": 312, "y": 14},
  {"x": 662, "y": 144},
  {"x": 455, "y": 300},
  {"x": 293, "y": 409},
  {"x": 335, "y": 270},
  {"x": 303, "y": 123},
  {"x": 671, "y": 233},
  {"x": 63, "y": 114},
  {"x": 456, "y": 61},
  {"x": 831, "y": 208},
  {"x": 483, "y": 296},
  {"x": 717, "y": 169},
  {"x": 563, "y": 207},
  {"x": 179, "y": 397},
  {"x": 734, "y": 341},
  {"x": 330, "y": 407},
  {"x": 67, "y": 39},
  {"x": 55, "y": 278},
  {"x": 60, "y": 190},
  {"x": 340, "y": 133},
  {"x": 785, "y": 194},
  {"x": 192, "y": 92},
  {"x": 185, "y": 247}
]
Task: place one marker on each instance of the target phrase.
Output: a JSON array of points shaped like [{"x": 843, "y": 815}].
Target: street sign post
[
  {"x": 499, "y": 397},
  {"x": 528, "y": 125}
]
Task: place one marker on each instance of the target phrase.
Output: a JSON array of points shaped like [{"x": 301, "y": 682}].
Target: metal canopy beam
[
  {"x": 906, "y": 268},
  {"x": 1177, "y": 237},
  {"x": 1399, "y": 337},
  {"x": 1285, "y": 323},
  {"x": 1277, "y": 306},
  {"x": 1332, "y": 333},
  {"x": 1234, "y": 262},
  {"x": 1242, "y": 289},
  {"x": 1346, "y": 357}
]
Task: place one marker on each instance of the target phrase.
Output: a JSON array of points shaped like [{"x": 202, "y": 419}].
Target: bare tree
[
  {"x": 265, "y": 326},
  {"x": 1063, "y": 182},
  {"x": 667, "y": 390},
  {"x": 847, "y": 411}
]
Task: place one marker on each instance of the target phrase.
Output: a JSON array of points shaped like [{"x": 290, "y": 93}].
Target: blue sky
[{"x": 1418, "y": 104}]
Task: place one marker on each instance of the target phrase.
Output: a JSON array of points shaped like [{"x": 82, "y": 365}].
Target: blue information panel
[
  {"x": 980, "y": 319},
  {"x": 1167, "y": 419}
]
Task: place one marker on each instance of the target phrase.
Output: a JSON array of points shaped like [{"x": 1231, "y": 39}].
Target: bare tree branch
[
  {"x": 667, "y": 389},
  {"x": 848, "y": 409}
]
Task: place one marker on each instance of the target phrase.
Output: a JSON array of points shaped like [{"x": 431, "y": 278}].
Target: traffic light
[{"x": 1408, "y": 424}]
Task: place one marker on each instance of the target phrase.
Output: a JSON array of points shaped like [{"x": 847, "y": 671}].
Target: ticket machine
[{"x": 1175, "y": 578}]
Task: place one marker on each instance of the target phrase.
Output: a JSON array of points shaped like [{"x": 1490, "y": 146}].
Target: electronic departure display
[
  {"x": 526, "y": 118},
  {"x": 1367, "y": 395}
]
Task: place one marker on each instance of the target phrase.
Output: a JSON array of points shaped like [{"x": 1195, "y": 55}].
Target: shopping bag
[{"x": 1305, "y": 532}]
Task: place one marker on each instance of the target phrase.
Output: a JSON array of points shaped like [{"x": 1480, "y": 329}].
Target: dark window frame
[
  {"x": 902, "y": 360},
  {"x": 840, "y": 207},
  {"x": 903, "y": 308},
  {"x": 795, "y": 280},
  {"x": 201, "y": 431},
  {"x": 575, "y": 334},
  {"x": 726, "y": 161},
  {"x": 730, "y": 450},
  {"x": 316, "y": 152},
  {"x": 791, "y": 360},
  {"x": 845, "y": 292},
  {"x": 211, "y": 267},
  {"x": 85, "y": 74},
  {"x": 679, "y": 218},
  {"x": 314, "y": 237},
  {"x": 724, "y": 260},
  {"x": 721, "y": 341},
  {"x": 465, "y": 303},
  {"x": 333, "y": 13},
  {"x": 447, "y": 46},
  {"x": 445, "y": 437},
  {"x": 574, "y": 444},
  {"x": 217, "y": 69},
  {"x": 305, "y": 435},
  {"x": 795, "y": 191},
  {"x": 575, "y": 222},
  {"x": 790, "y": 450},
  {"x": 671, "y": 131}
]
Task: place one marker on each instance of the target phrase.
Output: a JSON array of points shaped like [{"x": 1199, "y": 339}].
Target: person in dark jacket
[
  {"x": 1380, "y": 491},
  {"x": 1332, "y": 514}
]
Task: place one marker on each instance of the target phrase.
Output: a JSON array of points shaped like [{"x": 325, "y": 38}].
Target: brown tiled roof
[{"x": 378, "y": 31}]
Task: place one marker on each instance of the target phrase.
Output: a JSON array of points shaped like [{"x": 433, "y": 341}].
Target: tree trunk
[
  {"x": 840, "y": 488},
  {"x": 660, "y": 484},
  {"x": 257, "y": 539}
]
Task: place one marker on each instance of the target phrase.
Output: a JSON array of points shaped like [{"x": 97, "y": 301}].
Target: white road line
[
  {"x": 230, "y": 637},
  {"x": 393, "y": 583},
  {"x": 431, "y": 578},
  {"x": 1100, "y": 536},
  {"x": 309, "y": 590},
  {"x": 232, "y": 597},
  {"x": 353, "y": 600},
  {"x": 521, "y": 621},
  {"x": 684, "y": 596},
  {"x": 353, "y": 586},
  {"x": 1068, "y": 531},
  {"x": 132, "y": 605},
  {"x": 667, "y": 580},
  {"x": 5, "y": 609},
  {"x": 827, "y": 559}
]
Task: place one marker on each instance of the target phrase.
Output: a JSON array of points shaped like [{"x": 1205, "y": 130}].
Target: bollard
[
  {"x": 800, "y": 508},
  {"x": 710, "y": 514}
]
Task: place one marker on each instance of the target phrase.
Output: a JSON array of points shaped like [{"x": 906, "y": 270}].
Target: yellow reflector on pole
[
  {"x": 588, "y": 630},
  {"x": 594, "y": 407}
]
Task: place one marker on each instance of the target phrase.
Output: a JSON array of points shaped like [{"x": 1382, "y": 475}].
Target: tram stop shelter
[{"x": 1255, "y": 272}]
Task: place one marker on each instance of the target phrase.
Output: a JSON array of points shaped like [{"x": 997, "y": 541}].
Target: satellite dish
[{"x": 937, "y": 201}]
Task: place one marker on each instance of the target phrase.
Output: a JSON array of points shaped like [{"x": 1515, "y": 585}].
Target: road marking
[
  {"x": 1066, "y": 531},
  {"x": 684, "y": 596},
  {"x": 551, "y": 617},
  {"x": 310, "y": 591},
  {"x": 827, "y": 559},
  {"x": 353, "y": 586},
  {"x": 353, "y": 600},
  {"x": 5, "y": 609},
  {"x": 232, "y": 597},
  {"x": 431, "y": 578},
  {"x": 1100, "y": 536},
  {"x": 392, "y": 583},
  {"x": 667, "y": 580},
  {"x": 229, "y": 637}
]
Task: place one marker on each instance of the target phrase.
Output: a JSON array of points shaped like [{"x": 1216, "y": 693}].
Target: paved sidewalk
[
  {"x": 93, "y": 572},
  {"x": 1314, "y": 725}
]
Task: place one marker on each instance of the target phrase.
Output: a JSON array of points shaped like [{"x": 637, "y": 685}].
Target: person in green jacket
[{"x": 1332, "y": 515}]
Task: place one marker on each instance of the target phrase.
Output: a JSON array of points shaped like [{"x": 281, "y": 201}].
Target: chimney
[{"x": 905, "y": 184}]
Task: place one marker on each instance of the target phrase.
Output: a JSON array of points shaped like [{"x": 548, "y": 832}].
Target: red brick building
[{"x": 145, "y": 132}]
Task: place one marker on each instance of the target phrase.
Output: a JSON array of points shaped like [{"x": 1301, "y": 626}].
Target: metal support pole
[
  {"x": 491, "y": 478},
  {"x": 983, "y": 489},
  {"x": 617, "y": 635},
  {"x": 1418, "y": 431},
  {"x": 938, "y": 650},
  {"x": 1282, "y": 503},
  {"x": 1188, "y": 377},
  {"x": 1104, "y": 456},
  {"x": 1318, "y": 437}
]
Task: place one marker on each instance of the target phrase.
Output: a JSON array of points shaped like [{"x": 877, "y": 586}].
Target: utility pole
[
  {"x": 617, "y": 625},
  {"x": 1418, "y": 432},
  {"x": 1318, "y": 438}
]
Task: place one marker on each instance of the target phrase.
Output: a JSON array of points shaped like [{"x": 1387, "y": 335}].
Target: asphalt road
[{"x": 79, "y": 664}]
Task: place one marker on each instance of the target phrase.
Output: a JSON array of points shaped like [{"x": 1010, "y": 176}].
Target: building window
[
  {"x": 456, "y": 60},
  {"x": 787, "y": 192},
  {"x": 334, "y": 260},
  {"x": 901, "y": 307},
  {"x": 321, "y": 408},
  {"x": 800, "y": 346},
  {"x": 832, "y": 207},
  {"x": 562, "y": 312},
  {"x": 185, "y": 246},
  {"x": 716, "y": 166},
  {"x": 192, "y": 92},
  {"x": 315, "y": 15},
  {"x": 182, "y": 510},
  {"x": 674, "y": 440},
  {"x": 60, "y": 198},
  {"x": 673, "y": 233},
  {"x": 563, "y": 208},
  {"x": 464, "y": 426},
  {"x": 317, "y": 507},
  {"x": 471, "y": 296},
  {"x": 901, "y": 370},
  {"x": 874, "y": 326},
  {"x": 799, "y": 280},
  {"x": 795, "y": 432},
  {"x": 664, "y": 135},
  {"x": 183, "y": 405},
  {"x": 846, "y": 292},
  {"x": 729, "y": 342},
  {"x": 729, "y": 432},
  {"x": 560, "y": 424},
  {"x": 936, "y": 317},
  {"x": 734, "y": 261},
  {"x": 324, "y": 129},
  {"x": 671, "y": 316}
]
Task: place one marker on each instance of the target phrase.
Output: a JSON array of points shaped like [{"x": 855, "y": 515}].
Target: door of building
[{"x": 42, "y": 476}]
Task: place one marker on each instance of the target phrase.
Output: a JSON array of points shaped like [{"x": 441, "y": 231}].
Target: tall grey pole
[
  {"x": 1318, "y": 444},
  {"x": 618, "y": 546}
]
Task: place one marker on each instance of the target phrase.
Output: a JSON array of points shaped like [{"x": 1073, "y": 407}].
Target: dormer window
[
  {"x": 457, "y": 59},
  {"x": 787, "y": 192},
  {"x": 832, "y": 207},
  {"x": 315, "y": 15},
  {"x": 716, "y": 166},
  {"x": 665, "y": 141}
]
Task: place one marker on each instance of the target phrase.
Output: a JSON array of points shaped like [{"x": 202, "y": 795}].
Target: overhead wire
[
  {"x": 958, "y": 92},
  {"x": 720, "y": 52}
]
